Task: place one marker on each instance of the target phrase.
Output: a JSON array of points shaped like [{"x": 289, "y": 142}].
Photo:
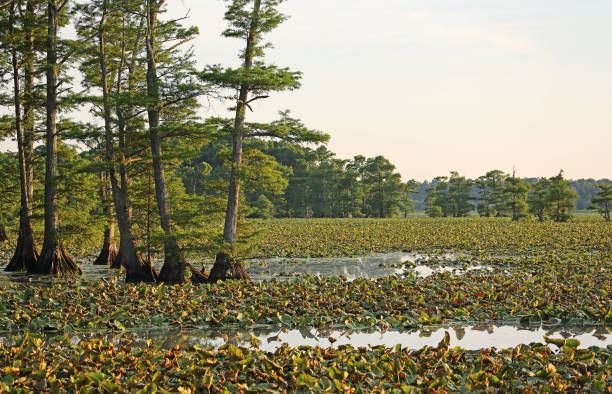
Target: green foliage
[
  {"x": 435, "y": 211},
  {"x": 602, "y": 201},
  {"x": 491, "y": 188},
  {"x": 478, "y": 236},
  {"x": 538, "y": 199},
  {"x": 262, "y": 208},
  {"x": 516, "y": 191},
  {"x": 450, "y": 195},
  {"x": 561, "y": 198},
  {"x": 383, "y": 187},
  {"x": 9, "y": 190}
]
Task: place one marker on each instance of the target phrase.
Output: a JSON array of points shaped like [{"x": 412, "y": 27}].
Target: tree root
[
  {"x": 108, "y": 255},
  {"x": 55, "y": 262},
  {"x": 225, "y": 268},
  {"x": 25, "y": 256},
  {"x": 175, "y": 265},
  {"x": 197, "y": 276},
  {"x": 140, "y": 271}
]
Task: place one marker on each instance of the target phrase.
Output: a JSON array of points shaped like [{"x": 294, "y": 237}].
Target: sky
[{"x": 441, "y": 85}]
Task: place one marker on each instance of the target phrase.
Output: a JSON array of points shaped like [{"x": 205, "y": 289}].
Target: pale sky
[{"x": 440, "y": 85}]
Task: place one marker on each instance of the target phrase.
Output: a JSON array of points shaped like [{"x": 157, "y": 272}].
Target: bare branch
[
  {"x": 257, "y": 98},
  {"x": 178, "y": 44},
  {"x": 6, "y": 3},
  {"x": 62, "y": 5}
]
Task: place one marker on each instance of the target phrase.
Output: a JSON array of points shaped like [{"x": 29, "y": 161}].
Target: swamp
[
  {"x": 526, "y": 307},
  {"x": 168, "y": 226}
]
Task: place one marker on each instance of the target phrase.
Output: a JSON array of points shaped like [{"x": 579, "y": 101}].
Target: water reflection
[
  {"x": 467, "y": 337},
  {"x": 368, "y": 267},
  {"x": 470, "y": 338}
]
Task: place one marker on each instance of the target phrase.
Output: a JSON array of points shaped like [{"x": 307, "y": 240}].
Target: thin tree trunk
[
  {"x": 226, "y": 267},
  {"x": 233, "y": 199},
  {"x": 25, "y": 253},
  {"x": 137, "y": 269},
  {"x": 109, "y": 251},
  {"x": 53, "y": 258}
]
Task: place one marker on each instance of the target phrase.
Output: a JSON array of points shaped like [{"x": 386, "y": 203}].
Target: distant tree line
[
  {"x": 585, "y": 188},
  {"x": 503, "y": 195},
  {"x": 290, "y": 180}
]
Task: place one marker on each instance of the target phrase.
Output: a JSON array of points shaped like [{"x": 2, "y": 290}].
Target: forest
[{"x": 146, "y": 247}]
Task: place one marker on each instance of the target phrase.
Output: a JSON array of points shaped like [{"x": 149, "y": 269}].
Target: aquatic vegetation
[
  {"x": 500, "y": 272},
  {"x": 32, "y": 364},
  {"x": 350, "y": 237},
  {"x": 562, "y": 290}
]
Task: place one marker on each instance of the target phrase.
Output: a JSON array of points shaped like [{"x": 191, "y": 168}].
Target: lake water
[
  {"x": 368, "y": 267},
  {"x": 468, "y": 337}
]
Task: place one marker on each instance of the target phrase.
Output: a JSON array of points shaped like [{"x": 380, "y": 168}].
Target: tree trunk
[
  {"x": 233, "y": 200},
  {"x": 137, "y": 269},
  {"x": 109, "y": 252},
  {"x": 3, "y": 236},
  {"x": 25, "y": 255},
  {"x": 225, "y": 268},
  {"x": 223, "y": 262},
  {"x": 175, "y": 265},
  {"x": 53, "y": 258}
]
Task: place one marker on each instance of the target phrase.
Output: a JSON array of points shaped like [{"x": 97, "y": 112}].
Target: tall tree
[
  {"x": 409, "y": 188},
  {"x": 538, "y": 201},
  {"x": 249, "y": 20},
  {"x": 118, "y": 32},
  {"x": 437, "y": 200},
  {"x": 602, "y": 201},
  {"x": 22, "y": 58},
  {"x": 490, "y": 187},
  {"x": 561, "y": 198},
  {"x": 53, "y": 257},
  {"x": 384, "y": 186},
  {"x": 516, "y": 191},
  {"x": 175, "y": 265},
  {"x": 459, "y": 189}
]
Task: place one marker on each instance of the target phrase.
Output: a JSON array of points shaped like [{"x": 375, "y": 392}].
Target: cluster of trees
[
  {"x": 142, "y": 88},
  {"x": 500, "y": 194},
  {"x": 299, "y": 181},
  {"x": 585, "y": 188},
  {"x": 170, "y": 182}
]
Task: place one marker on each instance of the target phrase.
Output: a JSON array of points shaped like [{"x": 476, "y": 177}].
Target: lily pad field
[{"x": 334, "y": 305}]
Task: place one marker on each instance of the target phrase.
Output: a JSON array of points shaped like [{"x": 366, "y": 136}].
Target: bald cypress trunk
[
  {"x": 25, "y": 254},
  {"x": 226, "y": 267},
  {"x": 175, "y": 265},
  {"x": 233, "y": 199},
  {"x": 109, "y": 252},
  {"x": 53, "y": 257},
  {"x": 137, "y": 269}
]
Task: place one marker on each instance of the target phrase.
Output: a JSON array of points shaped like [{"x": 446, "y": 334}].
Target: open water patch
[
  {"x": 472, "y": 337},
  {"x": 281, "y": 268},
  {"x": 361, "y": 267}
]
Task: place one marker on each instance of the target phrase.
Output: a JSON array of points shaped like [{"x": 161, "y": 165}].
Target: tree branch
[
  {"x": 62, "y": 5},
  {"x": 6, "y": 3}
]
